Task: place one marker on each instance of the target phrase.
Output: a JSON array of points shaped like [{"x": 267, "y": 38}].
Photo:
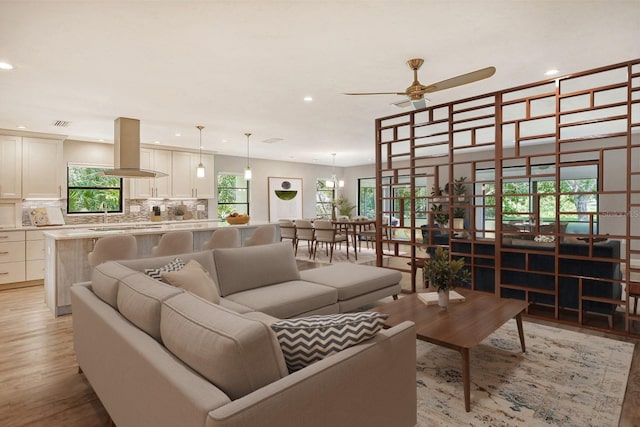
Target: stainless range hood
[{"x": 126, "y": 151}]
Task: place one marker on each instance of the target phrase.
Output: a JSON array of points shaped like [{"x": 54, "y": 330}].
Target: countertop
[{"x": 137, "y": 228}]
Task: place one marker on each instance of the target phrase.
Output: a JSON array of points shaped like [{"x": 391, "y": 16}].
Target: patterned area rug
[{"x": 564, "y": 379}]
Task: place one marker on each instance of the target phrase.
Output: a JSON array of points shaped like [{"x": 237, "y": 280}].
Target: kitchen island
[{"x": 66, "y": 250}]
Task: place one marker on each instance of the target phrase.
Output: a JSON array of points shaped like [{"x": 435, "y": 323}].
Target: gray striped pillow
[
  {"x": 156, "y": 273},
  {"x": 308, "y": 339}
]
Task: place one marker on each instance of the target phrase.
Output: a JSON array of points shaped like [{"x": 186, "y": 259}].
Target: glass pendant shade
[
  {"x": 247, "y": 171},
  {"x": 200, "y": 169}
]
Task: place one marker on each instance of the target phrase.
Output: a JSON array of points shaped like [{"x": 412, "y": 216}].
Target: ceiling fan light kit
[{"x": 416, "y": 91}]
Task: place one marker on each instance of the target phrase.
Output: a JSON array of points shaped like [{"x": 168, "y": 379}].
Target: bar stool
[
  {"x": 223, "y": 238},
  {"x": 113, "y": 248},
  {"x": 173, "y": 243},
  {"x": 262, "y": 235}
]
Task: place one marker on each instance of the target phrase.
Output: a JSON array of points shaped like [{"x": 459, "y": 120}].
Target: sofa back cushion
[
  {"x": 236, "y": 353},
  {"x": 105, "y": 280},
  {"x": 140, "y": 300},
  {"x": 250, "y": 267}
]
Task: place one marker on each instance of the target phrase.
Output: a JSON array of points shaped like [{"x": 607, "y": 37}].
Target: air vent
[
  {"x": 272, "y": 140},
  {"x": 61, "y": 123}
]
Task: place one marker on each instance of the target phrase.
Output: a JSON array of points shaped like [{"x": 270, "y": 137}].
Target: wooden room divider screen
[{"x": 544, "y": 181}]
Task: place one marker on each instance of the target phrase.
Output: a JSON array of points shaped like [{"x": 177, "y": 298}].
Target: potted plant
[
  {"x": 439, "y": 216},
  {"x": 444, "y": 274},
  {"x": 344, "y": 206},
  {"x": 459, "y": 188},
  {"x": 179, "y": 214},
  {"x": 458, "y": 218},
  {"x": 436, "y": 193}
]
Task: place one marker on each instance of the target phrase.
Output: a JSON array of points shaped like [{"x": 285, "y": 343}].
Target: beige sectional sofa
[{"x": 157, "y": 355}]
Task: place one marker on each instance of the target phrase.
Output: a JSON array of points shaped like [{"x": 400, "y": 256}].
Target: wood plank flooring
[{"x": 40, "y": 384}]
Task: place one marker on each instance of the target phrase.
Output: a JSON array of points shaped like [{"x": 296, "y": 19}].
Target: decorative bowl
[{"x": 237, "y": 219}]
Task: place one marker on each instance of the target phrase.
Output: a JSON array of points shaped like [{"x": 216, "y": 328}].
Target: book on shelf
[{"x": 430, "y": 298}]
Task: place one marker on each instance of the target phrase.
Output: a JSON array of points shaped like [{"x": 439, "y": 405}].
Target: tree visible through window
[
  {"x": 233, "y": 195},
  {"x": 89, "y": 192},
  {"x": 324, "y": 199}
]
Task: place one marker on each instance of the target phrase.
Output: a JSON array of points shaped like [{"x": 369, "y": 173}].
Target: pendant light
[
  {"x": 200, "y": 168},
  {"x": 247, "y": 171},
  {"x": 333, "y": 182}
]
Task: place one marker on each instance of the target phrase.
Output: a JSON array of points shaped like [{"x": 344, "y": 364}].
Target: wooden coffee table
[{"x": 462, "y": 326}]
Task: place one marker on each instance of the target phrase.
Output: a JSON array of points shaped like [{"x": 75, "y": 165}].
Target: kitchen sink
[{"x": 124, "y": 227}]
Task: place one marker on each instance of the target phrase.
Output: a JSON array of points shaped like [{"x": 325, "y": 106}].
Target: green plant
[
  {"x": 436, "y": 191},
  {"x": 439, "y": 216},
  {"x": 444, "y": 273},
  {"x": 179, "y": 212},
  {"x": 459, "y": 187},
  {"x": 458, "y": 213},
  {"x": 343, "y": 205}
]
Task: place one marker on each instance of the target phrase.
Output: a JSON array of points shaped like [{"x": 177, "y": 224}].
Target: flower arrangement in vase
[{"x": 444, "y": 274}]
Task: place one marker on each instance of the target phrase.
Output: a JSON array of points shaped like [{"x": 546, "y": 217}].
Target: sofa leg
[
  {"x": 79, "y": 369},
  {"x": 395, "y": 296}
]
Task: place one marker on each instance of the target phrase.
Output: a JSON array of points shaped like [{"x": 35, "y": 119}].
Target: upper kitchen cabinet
[
  {"x": 10, "y": 167},
  {"x": 185, "y": 183},
  {"x": 42, "y": 168},
  {"x": 157, "y": 160}
]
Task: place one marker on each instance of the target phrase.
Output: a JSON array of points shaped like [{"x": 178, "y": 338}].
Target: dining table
[{"x": 354, "y": 225}]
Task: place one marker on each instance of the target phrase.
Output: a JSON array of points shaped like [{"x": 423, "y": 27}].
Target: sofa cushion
[
  {"x": 205, "y": 258},
  {"x": 195, "y": 279},
  {"x": 351, "y": 280},
  {"x": 286, "y": 299},
  {"x": 105, "y": 280},
  {"x": 140, "y": 299},
  {"x": 156, "y": 273},
  {"x": 237, "y": 354},
  {"x": 308, "y": 339},
  {"x": 250, "y": 267}
]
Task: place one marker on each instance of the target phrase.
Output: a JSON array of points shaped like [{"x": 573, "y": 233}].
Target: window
[
  {"x": 89, "y": 192},
  {"x": 367, "y": 197},
  {"x": 233, "y": 194},
  {"x": 324, "y": 199}
]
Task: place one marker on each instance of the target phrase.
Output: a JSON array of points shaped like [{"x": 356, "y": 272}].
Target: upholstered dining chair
[
  {"x": 327, "y": 232},
  {"x": 305, "y": 232},
  {"x": 368, "y": 234},
  {"x": 262, "y": 235},
  {"x": 111, "y": 248},
  {"x": 287, "y": 230},
  {"x": 173, "y": 243},
  {"x": 223, "y": 238}
]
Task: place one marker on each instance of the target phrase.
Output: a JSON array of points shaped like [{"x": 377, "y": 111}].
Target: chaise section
[{"x": 357, "y": 285}]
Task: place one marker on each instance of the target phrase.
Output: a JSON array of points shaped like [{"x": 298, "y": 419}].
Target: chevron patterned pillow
[
  {"x": 308, "y": 339},
  {"x": 156, "y": 273}
]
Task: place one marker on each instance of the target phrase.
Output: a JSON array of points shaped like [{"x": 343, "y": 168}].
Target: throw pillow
[
  {"x": 308, "y": 339},
  {"x": 156, "y": 273},
  {"x": 195, "y": 279}
]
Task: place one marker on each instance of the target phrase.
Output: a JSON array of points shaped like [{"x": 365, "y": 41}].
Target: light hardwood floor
[{"x": 40, "y": 384}]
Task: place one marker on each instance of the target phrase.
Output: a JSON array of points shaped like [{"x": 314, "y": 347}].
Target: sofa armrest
[{"x": 372, "y": 384}]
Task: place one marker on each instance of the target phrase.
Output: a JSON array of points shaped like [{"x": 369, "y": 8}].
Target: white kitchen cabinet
[
  {"x": 42, "y": 168},
  {"x": 34, "y": 255},
  {"x": 157, "y": 160},
  {"x": 12, "y": 260},
  {"x": 185, "y": 183},
  {"x": 10, "y": 167}
]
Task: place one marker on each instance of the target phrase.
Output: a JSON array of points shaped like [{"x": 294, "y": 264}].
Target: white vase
[{"x": 443, "y": 298}]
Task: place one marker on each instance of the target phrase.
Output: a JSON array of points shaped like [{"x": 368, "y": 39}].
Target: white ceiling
[{"x": 245, "y": 66}]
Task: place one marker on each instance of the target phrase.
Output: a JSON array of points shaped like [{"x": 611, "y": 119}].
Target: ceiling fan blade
[
  {"x": 376, "y": 93},
  {"x": 460, "y": 80}
]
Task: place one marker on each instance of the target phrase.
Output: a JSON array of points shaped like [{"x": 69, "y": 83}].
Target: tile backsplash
[{"x": 141, "y": 211}]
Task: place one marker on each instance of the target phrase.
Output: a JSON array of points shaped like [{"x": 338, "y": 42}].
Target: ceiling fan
[{"x": 415, "y": 93}]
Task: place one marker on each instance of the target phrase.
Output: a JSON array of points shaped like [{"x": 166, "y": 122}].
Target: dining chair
[
  {"x": 369, "y": 233},
  {"x": 287, "y": 230},
  {"x": 112, "y": 248},
  {"x": 262, "y": 235},
  {"x": 173, "y": 243},
  {"x": 223, "y": 238},
  {"x": 305, "y": 232},
  {"x": 327, "y": 232}
]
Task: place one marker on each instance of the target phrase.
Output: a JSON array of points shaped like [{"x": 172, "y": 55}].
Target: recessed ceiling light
[
  {"x": 156, "y": 142},
  {"x": 178, "y": 134},
  {"x": 224, "y": 140},
  {"x": 5, "y": 66},
  {"x": 21, "y": 127},
  {"x": 308, "y": 99},
  {"x": 551, "y": 72},
  {"x": 101, "y": 140}
]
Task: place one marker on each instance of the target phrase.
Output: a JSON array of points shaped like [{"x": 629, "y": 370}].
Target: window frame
[
  {"x": 71, "y": 188},
  {"x": 222, "y": 214}
]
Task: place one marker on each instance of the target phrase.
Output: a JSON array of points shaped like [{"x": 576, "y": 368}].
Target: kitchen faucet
[{"x": 104, "y": 206}]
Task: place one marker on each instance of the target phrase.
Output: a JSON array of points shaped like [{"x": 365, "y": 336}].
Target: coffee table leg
[
  {"x": 466, "y": 378},
  {"x": 520, "y": 332}
]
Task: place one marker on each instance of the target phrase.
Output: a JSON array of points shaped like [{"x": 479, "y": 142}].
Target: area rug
[{"x": 564, "y": 379}]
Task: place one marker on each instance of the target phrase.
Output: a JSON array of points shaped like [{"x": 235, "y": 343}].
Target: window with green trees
[
  {"x": 324, "y": 199},
  {"x": 90, "y": 192},
  {"x": 233, "y": 194}
]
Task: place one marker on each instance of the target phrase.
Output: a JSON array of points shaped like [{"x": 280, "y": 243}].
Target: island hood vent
[{"x": 126, "y": 151}]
